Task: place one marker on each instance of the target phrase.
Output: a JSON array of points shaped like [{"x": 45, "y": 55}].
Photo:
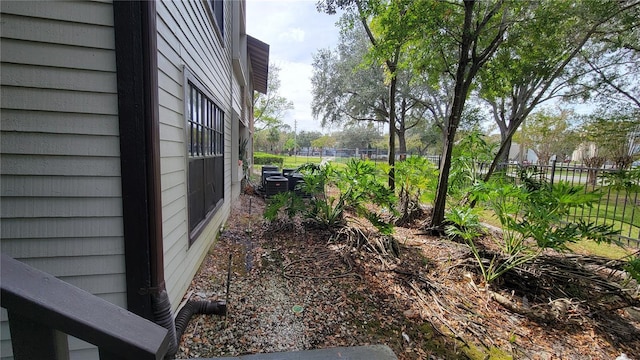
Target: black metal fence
[{"x": 619, "y": 205}]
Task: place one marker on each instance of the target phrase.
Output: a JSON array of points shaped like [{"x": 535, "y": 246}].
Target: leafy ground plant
[
  {"x": 633, "y": 268},
  {"x": 471, "y": 155},
  {"x": 536, "y": 209},
  {"x": 414, "y": 176},
  {"x": 465, "y": 224},
  {"x": 532, "y": 216},
  {"x": 360, "y": 190}
]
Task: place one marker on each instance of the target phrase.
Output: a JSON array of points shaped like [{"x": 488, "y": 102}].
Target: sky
[{"x": 294, "y": 30}]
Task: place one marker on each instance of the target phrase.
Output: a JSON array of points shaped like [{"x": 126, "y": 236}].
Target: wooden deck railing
[{"x": 43, "y": 310}]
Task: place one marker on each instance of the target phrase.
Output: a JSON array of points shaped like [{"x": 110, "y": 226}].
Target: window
[
  {"x": 205, "y": 148},
  {"x": 216, "y": 8}
]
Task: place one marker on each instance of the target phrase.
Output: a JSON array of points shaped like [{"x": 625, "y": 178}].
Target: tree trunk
[
  {"x": 461, "y": 89},
  {"x": 392, "y": 129},
  {"x": 543, "y": 158},
  {"x": 402, "y": 144},
  {"x": 439, "y": 206},
  {"x": 623, "y": 162},
  {"x": 593, "y": 164},
  {"x": 505, "y": 146},
  {"x": 503, "y": 158},
  {"x": 503, "y": 151},
  {"x": 521, "y": 154},
  {"x": 467, "y": 68}
]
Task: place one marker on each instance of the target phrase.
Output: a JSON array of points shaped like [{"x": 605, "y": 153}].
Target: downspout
[
  {"x": 138, "y": 107},
  {"x": 160, "y": 303}
]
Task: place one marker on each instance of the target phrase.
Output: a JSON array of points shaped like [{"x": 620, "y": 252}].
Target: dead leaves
[{"x": 429, "y": 295}]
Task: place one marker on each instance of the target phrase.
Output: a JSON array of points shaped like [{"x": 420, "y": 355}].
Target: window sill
[{"x": 197, "y": 231}]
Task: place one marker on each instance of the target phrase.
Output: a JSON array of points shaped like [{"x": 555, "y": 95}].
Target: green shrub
[
  {"x": 468, "y": 158},
  {"x": 532, "y": 216},
  {"x": 464, "y": 224},
  {"x": 358, "y": 184},
  {"x": 633, "y": 268},
  {"x": 362, "y": 184},
  {"x": 537, "y": 210},
  {"x": 260, "y": 158},
  {"x": 414, "y": 177},
  {"x": 286, "y": 203}
]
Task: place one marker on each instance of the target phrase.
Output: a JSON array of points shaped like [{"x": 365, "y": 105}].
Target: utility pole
[{"x": 295, "y": 140}]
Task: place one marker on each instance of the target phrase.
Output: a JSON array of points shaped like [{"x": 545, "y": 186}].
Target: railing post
[
  {"x": 107, "y": 355},
  {"x": 32, "y": 340},
  {"x": 553, "y": 171}
]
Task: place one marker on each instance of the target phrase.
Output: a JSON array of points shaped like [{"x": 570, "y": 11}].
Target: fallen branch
[
  {"x": 384, "y": 247},
  {"x": 545, "y": 316},
  {"x": 425, "y": 303},
  {"x": 324, "y": 260},
  {"x": 411, "y": 275}
]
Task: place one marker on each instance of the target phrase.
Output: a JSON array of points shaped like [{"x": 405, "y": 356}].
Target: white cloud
[
  {"x": 295, "y": 31},
  {"x": 292, "y": 34},
  {"x": 296, "y": 86}
]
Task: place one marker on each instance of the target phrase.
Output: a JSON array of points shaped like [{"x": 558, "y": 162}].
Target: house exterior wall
[
  {"x": 61, "y": 207},
  {"x": 584, "y": 151},
  {"x": 189, "y": 41}
]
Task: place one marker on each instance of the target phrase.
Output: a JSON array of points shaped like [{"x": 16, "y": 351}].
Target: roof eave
[{"x": 258, "y": 53}]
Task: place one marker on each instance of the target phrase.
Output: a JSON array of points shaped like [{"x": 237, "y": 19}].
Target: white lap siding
[
  {"x": 187, "y": 38},
  {"x": 61, "y": 207}
]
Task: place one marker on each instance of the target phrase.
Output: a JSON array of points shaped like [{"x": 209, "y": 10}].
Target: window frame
[
  {"x": 215, "y": 11},
  {"x": 207, "y": 156}
]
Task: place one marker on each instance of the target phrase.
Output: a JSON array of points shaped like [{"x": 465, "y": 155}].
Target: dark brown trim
[
  {"x": 136, "y": 64},
  {"x": 152, "y": 104}
]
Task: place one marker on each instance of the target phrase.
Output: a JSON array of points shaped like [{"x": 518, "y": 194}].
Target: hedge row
[{"x": 260, "y": 158}]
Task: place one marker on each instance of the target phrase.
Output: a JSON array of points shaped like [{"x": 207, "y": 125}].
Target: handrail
[{"x": 42, "y": 309}]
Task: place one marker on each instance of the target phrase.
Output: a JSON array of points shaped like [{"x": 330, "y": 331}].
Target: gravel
[{"x": 261, "y": 318}]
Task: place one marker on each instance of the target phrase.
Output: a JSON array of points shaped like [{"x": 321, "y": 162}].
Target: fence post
[{"x": 553, "y": 171}]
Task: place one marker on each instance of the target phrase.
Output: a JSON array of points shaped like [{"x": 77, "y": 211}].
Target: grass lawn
[
  {"x": 616, "y": 208},
  {"x": 610, "y": 251},
  {"x": 292, "y": 162}
]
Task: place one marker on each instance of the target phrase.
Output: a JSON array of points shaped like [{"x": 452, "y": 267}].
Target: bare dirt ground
[{"x": 294, "y": 289}]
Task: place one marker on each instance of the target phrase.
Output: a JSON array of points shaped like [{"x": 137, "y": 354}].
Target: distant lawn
[
  {"x": 615, "y": 208},
  {"x": 290, "y": 162},
  {"x": 589, "y": 247},
  {"x": 294, "y": 161}
]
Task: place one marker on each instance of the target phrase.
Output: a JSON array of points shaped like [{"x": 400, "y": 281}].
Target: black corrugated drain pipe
[
  {"x": 194, "y": 307},
  {"x": 164, "y": 317}
]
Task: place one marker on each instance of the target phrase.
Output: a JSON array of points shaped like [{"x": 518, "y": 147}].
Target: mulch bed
[{"x": 293, "y": 289}]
